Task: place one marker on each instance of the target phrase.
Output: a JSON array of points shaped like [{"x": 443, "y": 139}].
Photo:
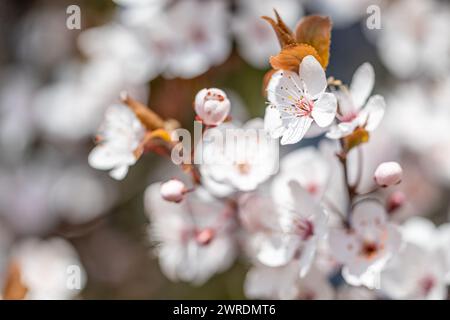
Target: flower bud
[
  {"x": 395, "y": 201},
  {"x": 205, "y": 236},
  {"x": 173, "y": 190},
  {"x": 388, "y": 174},
  {"x": 212, "y": 106}
]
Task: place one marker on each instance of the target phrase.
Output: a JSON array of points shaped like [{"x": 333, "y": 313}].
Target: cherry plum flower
[
  {"x": 366, "y": 247},
  {"x": 119, "y": 137},
  {"x": 227, "y": 165},
  {"x": 45, "y": 266},
  {"x": 415, "y": 273},
  {"x": 201, "y": 38},
  {"x": 194, "y": 238},
  {"x": 120, "y": 46},
  {"x": 411, "y": 41},
  {"x": 212, "y": 106},
  {"x": 302, "y": 226},
  {"x": 354, "y": 112},
  {"x": 425, "y": 234},
  {"x": 298, "y": 100}
]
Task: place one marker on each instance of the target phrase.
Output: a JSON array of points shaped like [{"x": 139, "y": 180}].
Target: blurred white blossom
[
  {"x": 194, "y": 238},
  {"x": 119, "y": 137},
  {"x": 44, "y": 268}
]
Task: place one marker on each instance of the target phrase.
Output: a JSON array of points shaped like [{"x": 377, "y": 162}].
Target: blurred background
[{"x": 55, "y": 83}]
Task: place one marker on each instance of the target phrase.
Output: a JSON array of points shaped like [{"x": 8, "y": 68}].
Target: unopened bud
[
  {"x": 212, "y": 106},
  {"x": 173, "y": 190},
  {"x": 388, "y": 174},
  {"x": 395, "y": 201}
]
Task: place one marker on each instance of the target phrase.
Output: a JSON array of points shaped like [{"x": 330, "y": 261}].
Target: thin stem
[
  {"x": 359, "y": 168},
  {"x": 342, "y": 156}
]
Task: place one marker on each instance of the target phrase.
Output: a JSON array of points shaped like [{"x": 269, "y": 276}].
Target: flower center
[
  {"x": 369, "y": 250},
  {"x": 243, "y": 168},
  {"x": 198, "y": 35},
  {"x": 205, "y": 236},
  {"x": 312, "y": 188},
  {"x": 304, "y": 107},
  {"x": 304, "y": 228}
]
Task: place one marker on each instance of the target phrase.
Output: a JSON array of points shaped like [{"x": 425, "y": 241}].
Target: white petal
[
  {"x": 344, "y": 245},
  {"x": 346, "y": 104},
  {"x": 341, "y": 130},
  {"x": 284, "y": 88},
  {"x": 373, "y": 112},
  {"x": 273, "y": 123},
  {"x": 367, "y": 218},
  {"x": 307, "y": 257},
  {"x": 277, "y": 251},
  {"x": 296, "y": 130},
  {"x": 324, "y": 109},
  {"x": 119, "y": 173},
  {"x": 362, "y": 84},
  {"x": 105, "y": 157},
  {"x": 312, "y": 74}
]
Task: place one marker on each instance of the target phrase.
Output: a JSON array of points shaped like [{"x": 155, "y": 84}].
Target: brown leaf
[
  {"x": 316, "y": 31},
  {"x": 14, "y": 288},
  {"x": 284, "y": 34},
  {"x": 291, "y": 56},
  {"x": 358, "y": 136}
]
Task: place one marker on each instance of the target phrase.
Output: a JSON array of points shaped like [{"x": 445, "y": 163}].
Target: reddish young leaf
[
  {"x": 291, "y": 56},
  {"x": 316, "y": 31}
]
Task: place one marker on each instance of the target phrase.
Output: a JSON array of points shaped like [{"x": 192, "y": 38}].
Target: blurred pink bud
[
  {"x": 205, "y": 236},
  {"x": 395, "y": 201},
  {"x": 212, "y": 106},
  {"x": 173, "y": 190},
  {"x": 388, "y": 174}
]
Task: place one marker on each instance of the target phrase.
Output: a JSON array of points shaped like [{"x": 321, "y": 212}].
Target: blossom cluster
[
  {"x": 333, "y": 189},
  {"x": 316, "y": 218}
]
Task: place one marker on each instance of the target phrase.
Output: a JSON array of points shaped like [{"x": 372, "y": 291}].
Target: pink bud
[
  {"x": 212, "y": 106},
  {"x": 395, "y": 201},
  {"x": 388, "y": 174},
  {"x": 173, "y": 190},
  {"x": 204, "y": 236}
]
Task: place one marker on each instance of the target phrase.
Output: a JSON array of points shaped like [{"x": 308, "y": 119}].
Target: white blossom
[
  {"x": 242, "y": 163},
  {"x": 45, "y": 268},
  {"x": 194, "y": 237},
  {"x": 296, "y": 100},
  {"x": 354, "y": 111},
  {"x": 119, "y": 137},
  {"x": 411, "y": 41},
  {"x": 302, "y": 225},
  {"x": 367, "y": 245}
]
